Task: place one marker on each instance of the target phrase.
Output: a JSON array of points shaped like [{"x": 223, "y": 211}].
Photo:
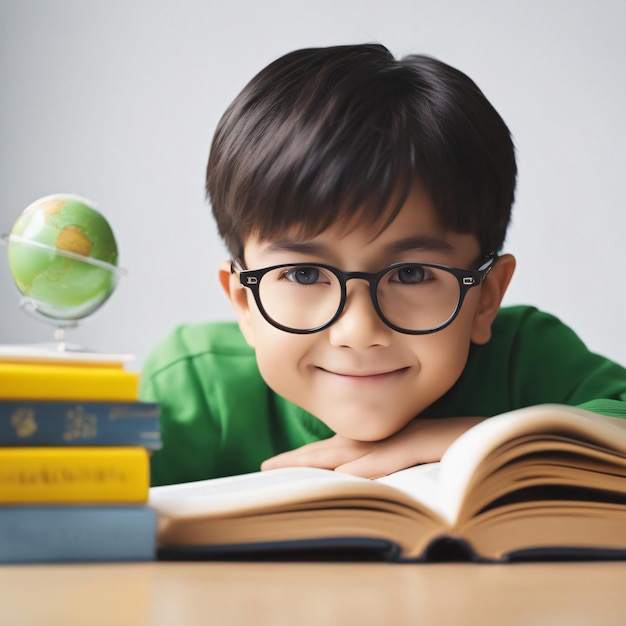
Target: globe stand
[
  {"x": 58, "y": 350},
  {"x": 63, "y": 346},
  {"x": 59, "y": 345}
]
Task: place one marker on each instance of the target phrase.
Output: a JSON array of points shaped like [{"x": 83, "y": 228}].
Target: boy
[{"x": 364, "y": 202}]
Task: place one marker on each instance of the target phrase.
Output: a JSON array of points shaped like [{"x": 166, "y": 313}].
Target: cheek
[
  {"x": 456, "y": 339},
  {"x": 448, "y": 355},
  {"x": 280, "y": 357},
  {"x": 443, "y": 356}
]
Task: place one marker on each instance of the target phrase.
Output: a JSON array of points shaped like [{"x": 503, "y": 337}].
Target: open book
[{"x": 540, "y": 482}]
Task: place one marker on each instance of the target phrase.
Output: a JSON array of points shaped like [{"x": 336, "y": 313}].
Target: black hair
[{"x": 326, "y": 134}]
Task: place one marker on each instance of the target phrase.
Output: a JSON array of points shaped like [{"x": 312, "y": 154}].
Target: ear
[
  {"x": 492, "y": 291},
  {"x": 238, "y": 296}
]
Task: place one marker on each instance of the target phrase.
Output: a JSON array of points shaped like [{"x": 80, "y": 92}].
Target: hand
[{"x": 421, "y": 441}]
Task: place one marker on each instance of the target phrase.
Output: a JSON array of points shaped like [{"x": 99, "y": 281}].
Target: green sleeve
[
  {"x": 533, "y": 358},
  {"x": 204, "y": 378},
  {"x": 552, "y": 364}
]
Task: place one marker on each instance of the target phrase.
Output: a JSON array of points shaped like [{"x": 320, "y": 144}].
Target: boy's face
[{"x": 361, "y": 378}]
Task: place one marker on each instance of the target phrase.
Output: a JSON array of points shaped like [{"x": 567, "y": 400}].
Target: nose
[{"x": 359, "y": 325}]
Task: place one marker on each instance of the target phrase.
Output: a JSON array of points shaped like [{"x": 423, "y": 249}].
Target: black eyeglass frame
[{"x": 467, "y": 279}]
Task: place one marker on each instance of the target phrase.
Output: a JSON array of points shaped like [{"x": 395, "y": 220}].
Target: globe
[{"x": 63, "y": 258}]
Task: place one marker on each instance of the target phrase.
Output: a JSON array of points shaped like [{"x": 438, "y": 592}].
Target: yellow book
[
  {"x": 86, "y": 475},
  {"x": 19, "y": 381}
]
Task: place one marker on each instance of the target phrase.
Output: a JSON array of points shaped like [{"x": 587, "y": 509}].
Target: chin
[{"x": 359, "y": 433}]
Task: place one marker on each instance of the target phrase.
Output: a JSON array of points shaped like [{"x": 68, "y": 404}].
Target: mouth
[{"x": 365, "y": 377}]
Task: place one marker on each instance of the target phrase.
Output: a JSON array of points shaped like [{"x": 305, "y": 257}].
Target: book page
[
  {"x": 297, "y": 504},
  {"x": 473, "y": 449},
  {"x": 255, "y": 490},
  {"x": 420, "y": 482}
]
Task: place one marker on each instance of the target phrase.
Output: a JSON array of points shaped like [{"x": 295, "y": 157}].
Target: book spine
[
  {"x": 48, "y": 382},
  {"x": 45, "y": 534},
  {"x": 25, "y": 423},
  {"x": 91, "y": 475}
]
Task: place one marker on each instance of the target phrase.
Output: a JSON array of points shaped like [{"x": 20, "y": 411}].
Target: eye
[
  {"x": 305, "y": 275},
  {"x": 410, "y": 275}
]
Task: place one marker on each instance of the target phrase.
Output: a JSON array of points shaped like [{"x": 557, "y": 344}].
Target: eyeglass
[{"x": 411, "y": 298}]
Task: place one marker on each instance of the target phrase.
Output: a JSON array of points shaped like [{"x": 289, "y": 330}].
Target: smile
[{"x": 360, "y": 377}]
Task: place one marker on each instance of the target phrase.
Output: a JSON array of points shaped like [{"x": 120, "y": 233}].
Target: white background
[{"x": 117, "y": 101}]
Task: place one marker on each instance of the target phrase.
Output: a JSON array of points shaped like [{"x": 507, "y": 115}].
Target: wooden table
[{"x": 320, "y": 594}]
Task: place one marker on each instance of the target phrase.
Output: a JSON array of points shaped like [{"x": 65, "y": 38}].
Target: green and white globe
[{"x": 63, "y": 257}]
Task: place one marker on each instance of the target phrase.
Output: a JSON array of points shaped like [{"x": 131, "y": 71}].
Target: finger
[
  {"x": 386, "y": 458},
  {"x": 290, "y": 457},
  {"x": 327, "y": 458},
  {"x": 330, "y": 456}
]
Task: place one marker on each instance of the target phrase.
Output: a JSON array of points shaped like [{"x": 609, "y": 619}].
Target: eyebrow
[
  {"x": 302, "y": 247},
  {"x": 419, "y": 243}
]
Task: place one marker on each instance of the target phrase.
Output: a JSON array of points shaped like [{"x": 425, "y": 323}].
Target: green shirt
[{"x": 218, "y": 417}]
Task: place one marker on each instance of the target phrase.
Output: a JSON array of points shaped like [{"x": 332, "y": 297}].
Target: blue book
[
  {"x": 75, "y": 423},
  {"x": 59, "y": 534}
]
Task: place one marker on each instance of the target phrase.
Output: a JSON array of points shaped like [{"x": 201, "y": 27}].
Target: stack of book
[{"x": 74, "y": 460}]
